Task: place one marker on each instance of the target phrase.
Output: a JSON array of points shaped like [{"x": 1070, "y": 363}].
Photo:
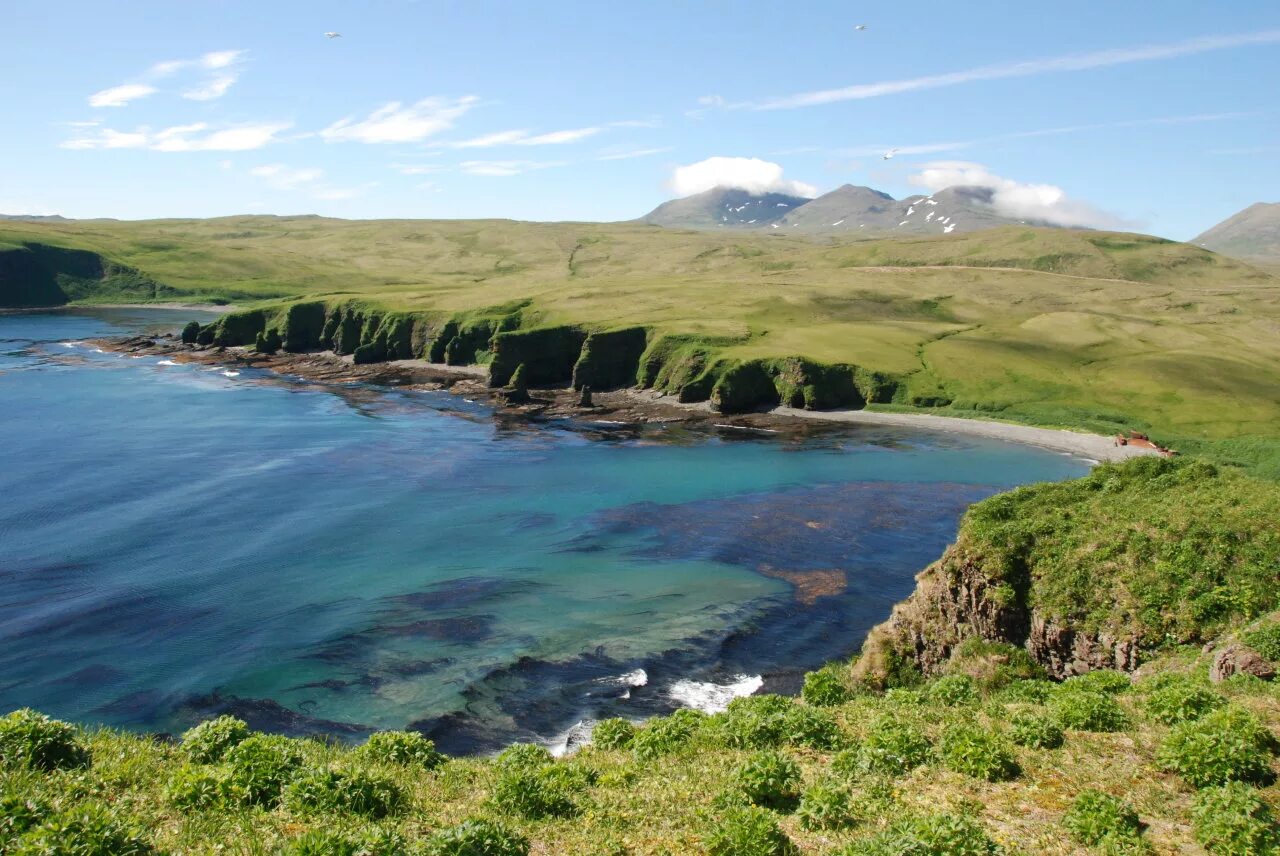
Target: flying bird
[
  {"x": 860, "y": 27},
  {"x": 333, "y": 35},
  {"x": 889, "y": 154}
]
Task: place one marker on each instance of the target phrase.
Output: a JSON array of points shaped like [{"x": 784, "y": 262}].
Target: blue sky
[{"x": 1156, "y": 116}]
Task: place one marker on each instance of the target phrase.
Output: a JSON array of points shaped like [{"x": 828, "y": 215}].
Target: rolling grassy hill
[{"x": 1094, "y": 330}]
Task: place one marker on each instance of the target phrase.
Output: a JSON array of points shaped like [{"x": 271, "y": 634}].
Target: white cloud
[
  {"x": 1015, "y": 199},
  {"x": 750, "y": 174},
  {"x": 637, "y": 123},
  {"x": 632, "y": 153},
  {"x": 396, "y": 123},
  {"x": 213, "y": 88},
  {"x": 1027, "y": 68},
  {"x": 282, "y": 177},
  {"x": 196, "y": 137},
  {"x": 119, "y": 96},
  {"x": 524, "y": 138},
  {"x": 505, "y": 168},
  {"x": 418, "y": 168}
]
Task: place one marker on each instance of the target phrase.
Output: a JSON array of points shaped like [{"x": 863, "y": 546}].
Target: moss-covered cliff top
[{"x": 1094, "y": 330}]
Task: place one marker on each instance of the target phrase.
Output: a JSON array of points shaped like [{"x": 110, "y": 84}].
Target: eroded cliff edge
[{"x": 1100, "y": 572}]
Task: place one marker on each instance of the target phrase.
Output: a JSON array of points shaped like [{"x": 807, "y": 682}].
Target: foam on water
[{"x": 713, "y": 698}]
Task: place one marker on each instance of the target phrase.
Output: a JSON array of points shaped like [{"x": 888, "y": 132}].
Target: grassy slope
[
  {"x": 673, "y": 803},
  {"x": 1079, "y": 329}
]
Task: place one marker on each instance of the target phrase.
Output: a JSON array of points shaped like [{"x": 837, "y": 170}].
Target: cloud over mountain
[
  {"x": 750, "y": 174},
  {"x": 1019, "y": 200}
]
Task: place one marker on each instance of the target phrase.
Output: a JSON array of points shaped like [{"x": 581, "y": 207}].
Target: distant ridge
[
  {"x": 849, "y": 208},
  {"x": 724, "y": 207},
  {"x": 1253, "y": 234}
]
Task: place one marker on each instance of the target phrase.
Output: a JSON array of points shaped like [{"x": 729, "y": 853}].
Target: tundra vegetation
[
  {"x": 1088, "y": 330},
  {"x": 982, "y": 750}
]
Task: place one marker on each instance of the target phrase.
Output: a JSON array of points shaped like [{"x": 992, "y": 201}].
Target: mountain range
[
  {"x": 846, "y": 209},
  {"x": 1252, "y": 235}
]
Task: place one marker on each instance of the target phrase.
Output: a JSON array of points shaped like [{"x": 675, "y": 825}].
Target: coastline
[
  {"x": 616, "y": 407},
  {"x": 220, "y": 309}
]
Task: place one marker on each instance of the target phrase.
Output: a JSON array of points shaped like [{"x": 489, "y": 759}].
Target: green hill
[
  {"x": 1252, "y": 234},
  {"x": 1094, "y": 330}
]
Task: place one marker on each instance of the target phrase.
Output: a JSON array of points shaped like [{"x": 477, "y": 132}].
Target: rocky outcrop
[
  {"x": 957, "y": 598},
  {"x": 1240, "y": 660}
]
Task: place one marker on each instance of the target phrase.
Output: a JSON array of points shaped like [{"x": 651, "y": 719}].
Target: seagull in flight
[
  {"x": 889, "y": 154},
  {"x": 333, "y": 35},
  {"x": 860, "y": 27}
]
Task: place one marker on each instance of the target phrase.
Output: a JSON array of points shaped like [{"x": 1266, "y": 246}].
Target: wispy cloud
[
  {"x": 637, "y": 123},
  {"x": 398, "y": 123},
  {"x": 419, "y": 168},
  {"x": 525, "y": 138},
  {"x": 632, "y": 153},
  {"x": 957, "y": 145},
  {"x": 336, "y": 193},
  {"x": 215, "y": 85},
  {"x": 196, "y": 137},
  {"x": 283, "y": 177},
  {"x": 119, "y": 96},
  {"x": 1026, "y": 68},
  {"x": 504, "y": 168}
]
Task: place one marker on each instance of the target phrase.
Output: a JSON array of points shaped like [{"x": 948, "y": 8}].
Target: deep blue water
[{"x": 335, "y": 558}]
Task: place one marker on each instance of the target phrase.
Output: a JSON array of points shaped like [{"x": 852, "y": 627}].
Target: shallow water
[{"x": 319, "y": 558}]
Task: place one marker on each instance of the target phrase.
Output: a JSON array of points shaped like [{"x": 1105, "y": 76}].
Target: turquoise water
[{"x": 333, "y": 558}]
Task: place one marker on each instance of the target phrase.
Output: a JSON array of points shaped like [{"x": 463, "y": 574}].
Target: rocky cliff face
[{"x": 957, "y": 598}]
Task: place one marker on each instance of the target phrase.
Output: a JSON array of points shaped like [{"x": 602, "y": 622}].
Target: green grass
[
  {"x": 973, "y": 785},
  {"x": 1086, "y": 330}
]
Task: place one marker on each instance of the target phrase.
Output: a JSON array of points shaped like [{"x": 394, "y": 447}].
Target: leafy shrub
[
  {"x": 755, "y": 722},
  {"x": 537, "y": 792},
  {"x": 891, "y": 746},
  {"x": 928, "y": 835},
  {"x": 477, "y": 838},
  {"x": 615, "y": 733},
  {"x": 747, "y": 831},
  {"x": 813, "y": 727},
  {"x": 1181, "y": 701},
  {"x": 328, "y": 843},
  {"x": 1086, "y": 710},
  {"x": 1265, "y": 640},
  {"x": 993, "y": 665},
  {"x": 407, "y": 748},
  {"x": 357, "y": 792},
  {"x": 209, "y": 741},
  {"x": 1097, "y": 818},
  {"x": 199, "y": 788},
  {"x": 1035, "y": 730},
  {"x": 261, "y": 765},
  {"x": 33, "y": 740},
  {"x": 1099, "y": 681},
  {"x": 664, "y": 735},
  {"x": 824, "y": 688},
  {"x": 826, "y": 805},
  {"x": 17, "y": 815},
  {"x": 977, "y": 752},
  {"x": 85, "y": 830},
  {"x": 1034, "y": 691},
  {"x": 524, "y": 755},
  {"x": 1226, "y": 745},
  {"x": 1233, "y": 820},
  {"x": 769, "y": 779},
  {"x": 952, "y": 690}
]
